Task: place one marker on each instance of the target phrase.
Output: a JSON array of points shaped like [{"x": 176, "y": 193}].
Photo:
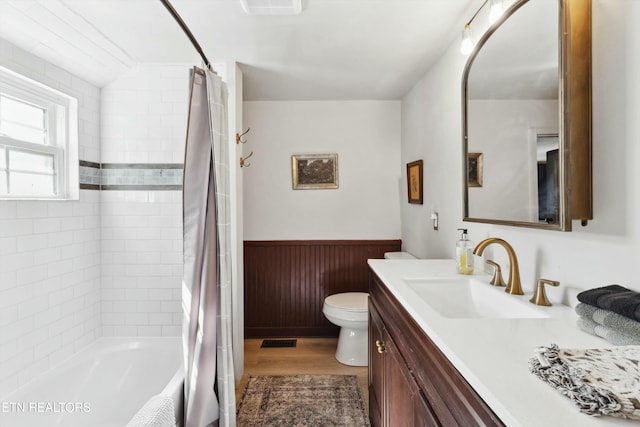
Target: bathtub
[{"x": 103, "y": 385}]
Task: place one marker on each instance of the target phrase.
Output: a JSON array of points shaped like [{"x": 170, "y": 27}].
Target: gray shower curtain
[{"x": 206, "y": 288}]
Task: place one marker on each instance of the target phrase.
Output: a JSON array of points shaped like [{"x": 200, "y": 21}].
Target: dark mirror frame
[{"x": 576, "y": 186}]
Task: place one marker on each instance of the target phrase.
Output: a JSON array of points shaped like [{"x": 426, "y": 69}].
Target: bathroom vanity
[
  {"x": 410, "y": 381},
  {"x": 452, "y": 350}
]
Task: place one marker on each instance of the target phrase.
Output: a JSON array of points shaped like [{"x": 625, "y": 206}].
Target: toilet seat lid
[{"x": 352, "y": 301}]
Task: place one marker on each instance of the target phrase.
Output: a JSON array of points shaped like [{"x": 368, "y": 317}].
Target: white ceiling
[{"x": 335, "y": 49}]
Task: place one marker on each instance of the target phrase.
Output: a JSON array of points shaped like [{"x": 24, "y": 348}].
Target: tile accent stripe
[
  {"x": 89, "y": 175},
  {"x": 151, "y": 187},
  {"x": 142, "y": 166},
  {"x": 89, "y": 164},
  {"x": 131, "y": 176}
]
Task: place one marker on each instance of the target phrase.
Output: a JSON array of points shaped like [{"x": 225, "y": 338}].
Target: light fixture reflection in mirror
[
  {"x": 496, "y": 9},
  {"x": 467, "y": 41}
]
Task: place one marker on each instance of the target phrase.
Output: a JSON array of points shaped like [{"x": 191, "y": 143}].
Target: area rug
[{"x": 302, "y": 400}]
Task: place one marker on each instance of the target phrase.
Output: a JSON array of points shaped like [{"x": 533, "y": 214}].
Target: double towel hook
[
  {"x": 239, "y": 136},
  {"x": 244, "y": 159}
]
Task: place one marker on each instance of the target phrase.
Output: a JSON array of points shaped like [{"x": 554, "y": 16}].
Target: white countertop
[{"x": 493, "y": 354}]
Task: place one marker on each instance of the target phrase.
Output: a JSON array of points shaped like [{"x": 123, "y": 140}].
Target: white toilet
[{"x": 350, "y": 311}]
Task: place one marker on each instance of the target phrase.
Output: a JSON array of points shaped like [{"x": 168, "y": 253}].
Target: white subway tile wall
[
  {"x": 49, "y": 251},
  {"x": 144, "y": 116},
  {"x": 141, "y": 263}
]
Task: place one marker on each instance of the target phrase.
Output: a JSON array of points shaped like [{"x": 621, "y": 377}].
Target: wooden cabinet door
[
  {"x": 423, "y": 413},
  {"x": 400, "y": 388},
  {"x": 376, "y": 367}
]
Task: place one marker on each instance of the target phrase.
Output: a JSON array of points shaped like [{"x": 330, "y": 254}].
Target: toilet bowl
[{"x": 350, "y": 311}]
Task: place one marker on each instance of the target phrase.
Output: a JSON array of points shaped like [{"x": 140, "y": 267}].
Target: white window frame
[{"x": 61, "y": 133}]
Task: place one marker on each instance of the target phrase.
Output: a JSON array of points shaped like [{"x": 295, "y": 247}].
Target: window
[{"x": 38, "y": 140}]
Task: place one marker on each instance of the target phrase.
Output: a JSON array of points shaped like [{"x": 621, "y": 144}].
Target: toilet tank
[{"x": 398, "y": 255}]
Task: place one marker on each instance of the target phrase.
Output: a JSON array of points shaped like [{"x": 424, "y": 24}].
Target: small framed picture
[
  {"x": 314, "y": 171},
  {"x": 474, "y": 169},
  {"x": 414, "y": 182}
]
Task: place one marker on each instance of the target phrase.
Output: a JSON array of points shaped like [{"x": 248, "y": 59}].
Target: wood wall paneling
[{"x": 286, "y": 282}]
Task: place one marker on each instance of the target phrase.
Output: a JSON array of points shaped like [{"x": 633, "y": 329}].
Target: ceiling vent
[{"x": 272, "y": 7}]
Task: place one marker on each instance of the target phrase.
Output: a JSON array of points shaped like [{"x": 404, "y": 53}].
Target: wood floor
[{"x": 310, "y": 356}]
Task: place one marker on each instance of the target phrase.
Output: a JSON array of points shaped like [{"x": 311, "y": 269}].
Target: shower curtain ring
[{"x": 244, "y": 159}]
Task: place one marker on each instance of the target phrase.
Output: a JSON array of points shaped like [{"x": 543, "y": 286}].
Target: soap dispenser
[{"x": 464, "y": 254}]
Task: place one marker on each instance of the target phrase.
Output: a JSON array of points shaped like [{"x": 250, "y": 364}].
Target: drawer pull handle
[{"x": 380, "y": 346}]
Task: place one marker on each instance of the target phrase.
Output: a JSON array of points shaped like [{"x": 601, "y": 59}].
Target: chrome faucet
[{"x": 513, "y": 284}]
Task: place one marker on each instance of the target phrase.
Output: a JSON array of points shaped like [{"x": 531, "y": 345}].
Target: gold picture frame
[
  {"x": 314, "y": 171},
  {"x": 414, "y": 182},
  {"x": 474, "y": 169}
]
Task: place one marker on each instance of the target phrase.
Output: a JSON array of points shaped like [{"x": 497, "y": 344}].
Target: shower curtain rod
[{"x": 188, "y": 32}]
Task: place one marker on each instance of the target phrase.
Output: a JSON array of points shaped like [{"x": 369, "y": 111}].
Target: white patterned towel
[
  {"x": 157, "y": 412},
  {"x": 598, "y": 381}
]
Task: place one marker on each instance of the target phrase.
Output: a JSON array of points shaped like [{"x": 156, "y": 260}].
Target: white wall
[
  {"x": 366, "y": 136},
  {"x": 608, "y": 249},
  {"x": 144, "y": 116},
  {"x": 49, "y": 252},
  {"x": 141, "y": 263}
]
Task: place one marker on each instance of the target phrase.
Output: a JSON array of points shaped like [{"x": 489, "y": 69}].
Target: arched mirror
[{"x": 527, "y": 118}]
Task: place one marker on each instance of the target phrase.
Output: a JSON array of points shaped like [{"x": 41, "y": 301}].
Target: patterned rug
[{"x": 302, "y": 400}]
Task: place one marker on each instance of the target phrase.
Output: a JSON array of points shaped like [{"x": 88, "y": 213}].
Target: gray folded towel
[
  {"x": 617, "y": 322},
  {"x": 587, "y": 325},
  {"x": 586, "y": 310},
  {"x": 598, "y": 381},
  {"x": 613, "y": 336},
  {"x": 616, "y": 337},
  {"x": 609, "y": 319}
]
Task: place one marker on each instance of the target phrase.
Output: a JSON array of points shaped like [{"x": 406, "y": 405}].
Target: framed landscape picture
[{"x": 314, "y": 171}]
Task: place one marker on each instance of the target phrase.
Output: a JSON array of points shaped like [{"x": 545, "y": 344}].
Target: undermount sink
[{"x": 465, "y": 298}]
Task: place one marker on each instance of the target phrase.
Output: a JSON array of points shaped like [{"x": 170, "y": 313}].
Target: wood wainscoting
[{"x": 286, "y": 282}]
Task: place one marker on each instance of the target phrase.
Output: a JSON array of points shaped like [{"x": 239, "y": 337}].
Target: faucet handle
[
  {"x": 540, "y": 296},
  {"x": 496, "y": 280}
]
